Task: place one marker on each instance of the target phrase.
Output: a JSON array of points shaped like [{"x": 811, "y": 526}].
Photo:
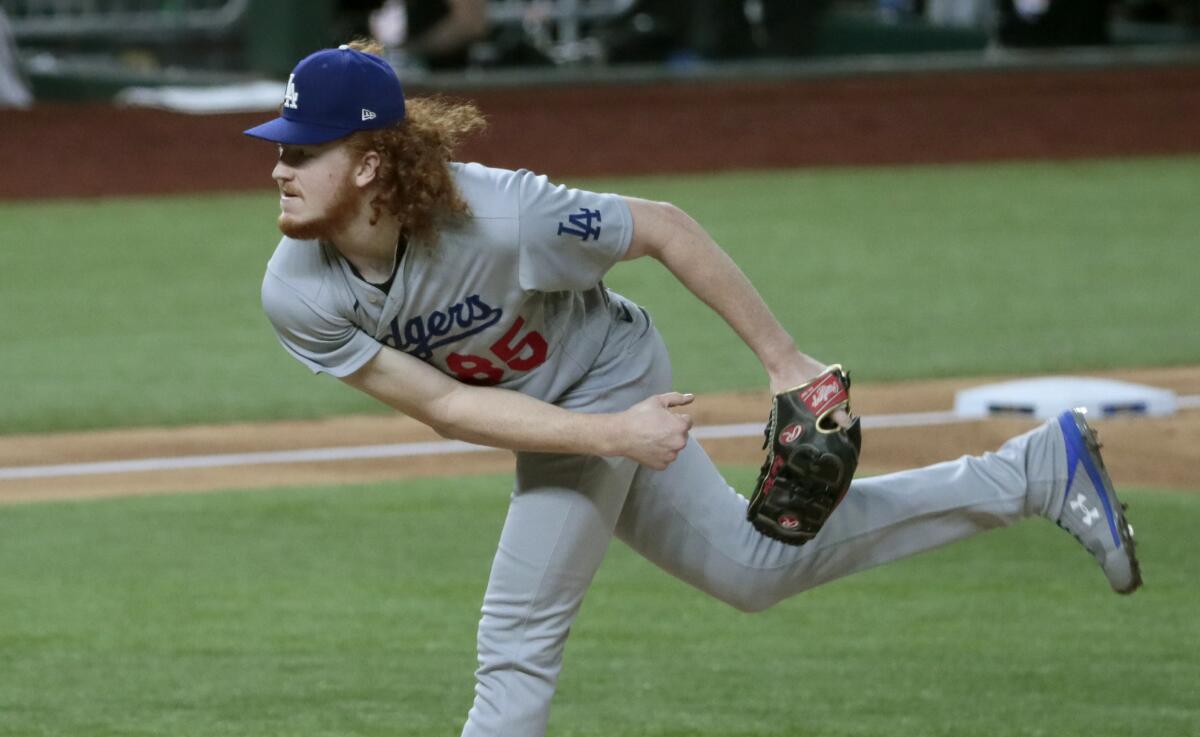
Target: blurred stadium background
[{"x": 73, "y": 49}]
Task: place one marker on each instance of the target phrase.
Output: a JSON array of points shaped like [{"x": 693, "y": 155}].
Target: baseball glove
[{"x": 810, "y": 459}]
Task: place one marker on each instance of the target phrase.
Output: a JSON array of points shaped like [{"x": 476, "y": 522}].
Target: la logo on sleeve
[{"x": 581, "y": 224}]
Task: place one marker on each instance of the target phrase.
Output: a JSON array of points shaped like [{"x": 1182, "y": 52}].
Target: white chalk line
[{"x": 442, "y": 447}]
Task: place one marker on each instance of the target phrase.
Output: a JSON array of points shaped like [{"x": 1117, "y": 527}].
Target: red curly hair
[{"x": 414, "y": 177}]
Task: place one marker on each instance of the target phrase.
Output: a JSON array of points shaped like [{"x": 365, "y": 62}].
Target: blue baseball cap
[{"x": 332, "y": 94}]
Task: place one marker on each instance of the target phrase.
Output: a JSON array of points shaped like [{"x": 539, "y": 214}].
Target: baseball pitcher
[{"x": 471, "y": 298}]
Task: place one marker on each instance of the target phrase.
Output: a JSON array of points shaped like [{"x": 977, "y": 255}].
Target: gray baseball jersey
[
  {"x": 512, "y": 297},
  {"x": 509, "y": 296}
]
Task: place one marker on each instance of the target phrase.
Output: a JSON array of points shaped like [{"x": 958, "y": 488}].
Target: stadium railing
[{"x": 58, "y": 20}]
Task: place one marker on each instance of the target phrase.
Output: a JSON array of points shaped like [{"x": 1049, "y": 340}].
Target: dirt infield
[
  {"x": 57, "y": 151},
  {"x": 1145, "y": 451}
]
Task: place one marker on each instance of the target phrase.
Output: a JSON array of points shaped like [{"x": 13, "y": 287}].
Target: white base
[{"x": 1046, "y": 397}]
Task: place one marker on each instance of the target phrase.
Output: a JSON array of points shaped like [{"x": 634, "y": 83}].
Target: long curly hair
[{"x": 414, "y": 177}]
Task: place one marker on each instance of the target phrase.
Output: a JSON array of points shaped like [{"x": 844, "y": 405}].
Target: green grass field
[
  {"x": 351, "y": 611},
  {"x": 145, "y": 311}
]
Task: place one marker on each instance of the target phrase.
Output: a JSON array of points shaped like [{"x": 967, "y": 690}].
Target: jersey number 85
[{"x": 519, "y": 354}]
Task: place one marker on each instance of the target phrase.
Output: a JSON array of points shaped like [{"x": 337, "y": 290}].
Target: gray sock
[{"x": 1045, "y": 469}]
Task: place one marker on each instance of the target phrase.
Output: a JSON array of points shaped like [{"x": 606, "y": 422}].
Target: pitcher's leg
[
  {"x": 688, "y": 521},
  {"x": 558, "y": 527}
]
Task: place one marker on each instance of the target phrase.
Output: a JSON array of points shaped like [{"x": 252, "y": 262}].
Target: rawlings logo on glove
[{"x": 810, "y": 459}]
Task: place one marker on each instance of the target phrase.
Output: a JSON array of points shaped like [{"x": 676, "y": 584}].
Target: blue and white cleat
[{"x": 1090, "y": 508}]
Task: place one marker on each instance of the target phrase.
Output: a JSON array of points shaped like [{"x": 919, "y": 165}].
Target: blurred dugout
[
  {"x": 91, "y": 49},
  {"x": 61, "y": 19},
  {"x": 263, "y": 35}
]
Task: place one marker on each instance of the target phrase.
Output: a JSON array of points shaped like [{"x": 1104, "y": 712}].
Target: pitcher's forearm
[
  {"x": 499, "y": 418},
  {"x": 505, "y": 419},
  {"x": 709, "y": 273}
]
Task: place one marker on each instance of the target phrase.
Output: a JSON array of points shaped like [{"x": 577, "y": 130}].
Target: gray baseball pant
[{"x": 687, "y": 520}]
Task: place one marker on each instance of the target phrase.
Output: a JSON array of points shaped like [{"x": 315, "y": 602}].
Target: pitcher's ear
[{"x": 368, "y": 168}]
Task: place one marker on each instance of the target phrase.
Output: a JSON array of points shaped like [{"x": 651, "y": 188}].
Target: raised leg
[{"x": 687, "y": 520}]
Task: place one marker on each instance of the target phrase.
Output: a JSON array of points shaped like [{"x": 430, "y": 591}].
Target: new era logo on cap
[{"x": 344, "y": 91}]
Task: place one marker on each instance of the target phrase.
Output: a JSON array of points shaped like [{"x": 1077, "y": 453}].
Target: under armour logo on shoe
[
  {"x": 1089, "y": 515},
  {"x": 367, "y": 114}
]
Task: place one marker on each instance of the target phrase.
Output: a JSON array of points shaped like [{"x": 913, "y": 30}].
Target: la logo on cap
[{"x": 291, "y": 98}]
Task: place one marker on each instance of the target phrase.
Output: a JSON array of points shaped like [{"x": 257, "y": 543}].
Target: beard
[{"x": 338, "y": 216}]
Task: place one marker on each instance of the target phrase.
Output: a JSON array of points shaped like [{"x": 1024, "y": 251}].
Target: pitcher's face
[{"x": 317, "y": 192}]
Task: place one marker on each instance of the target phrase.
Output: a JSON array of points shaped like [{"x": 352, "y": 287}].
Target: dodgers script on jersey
[{"x": 509, "y": 296}]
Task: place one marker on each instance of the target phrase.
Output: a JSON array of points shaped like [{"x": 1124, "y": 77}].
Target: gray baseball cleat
[{"x": 1090, "y": 509}]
